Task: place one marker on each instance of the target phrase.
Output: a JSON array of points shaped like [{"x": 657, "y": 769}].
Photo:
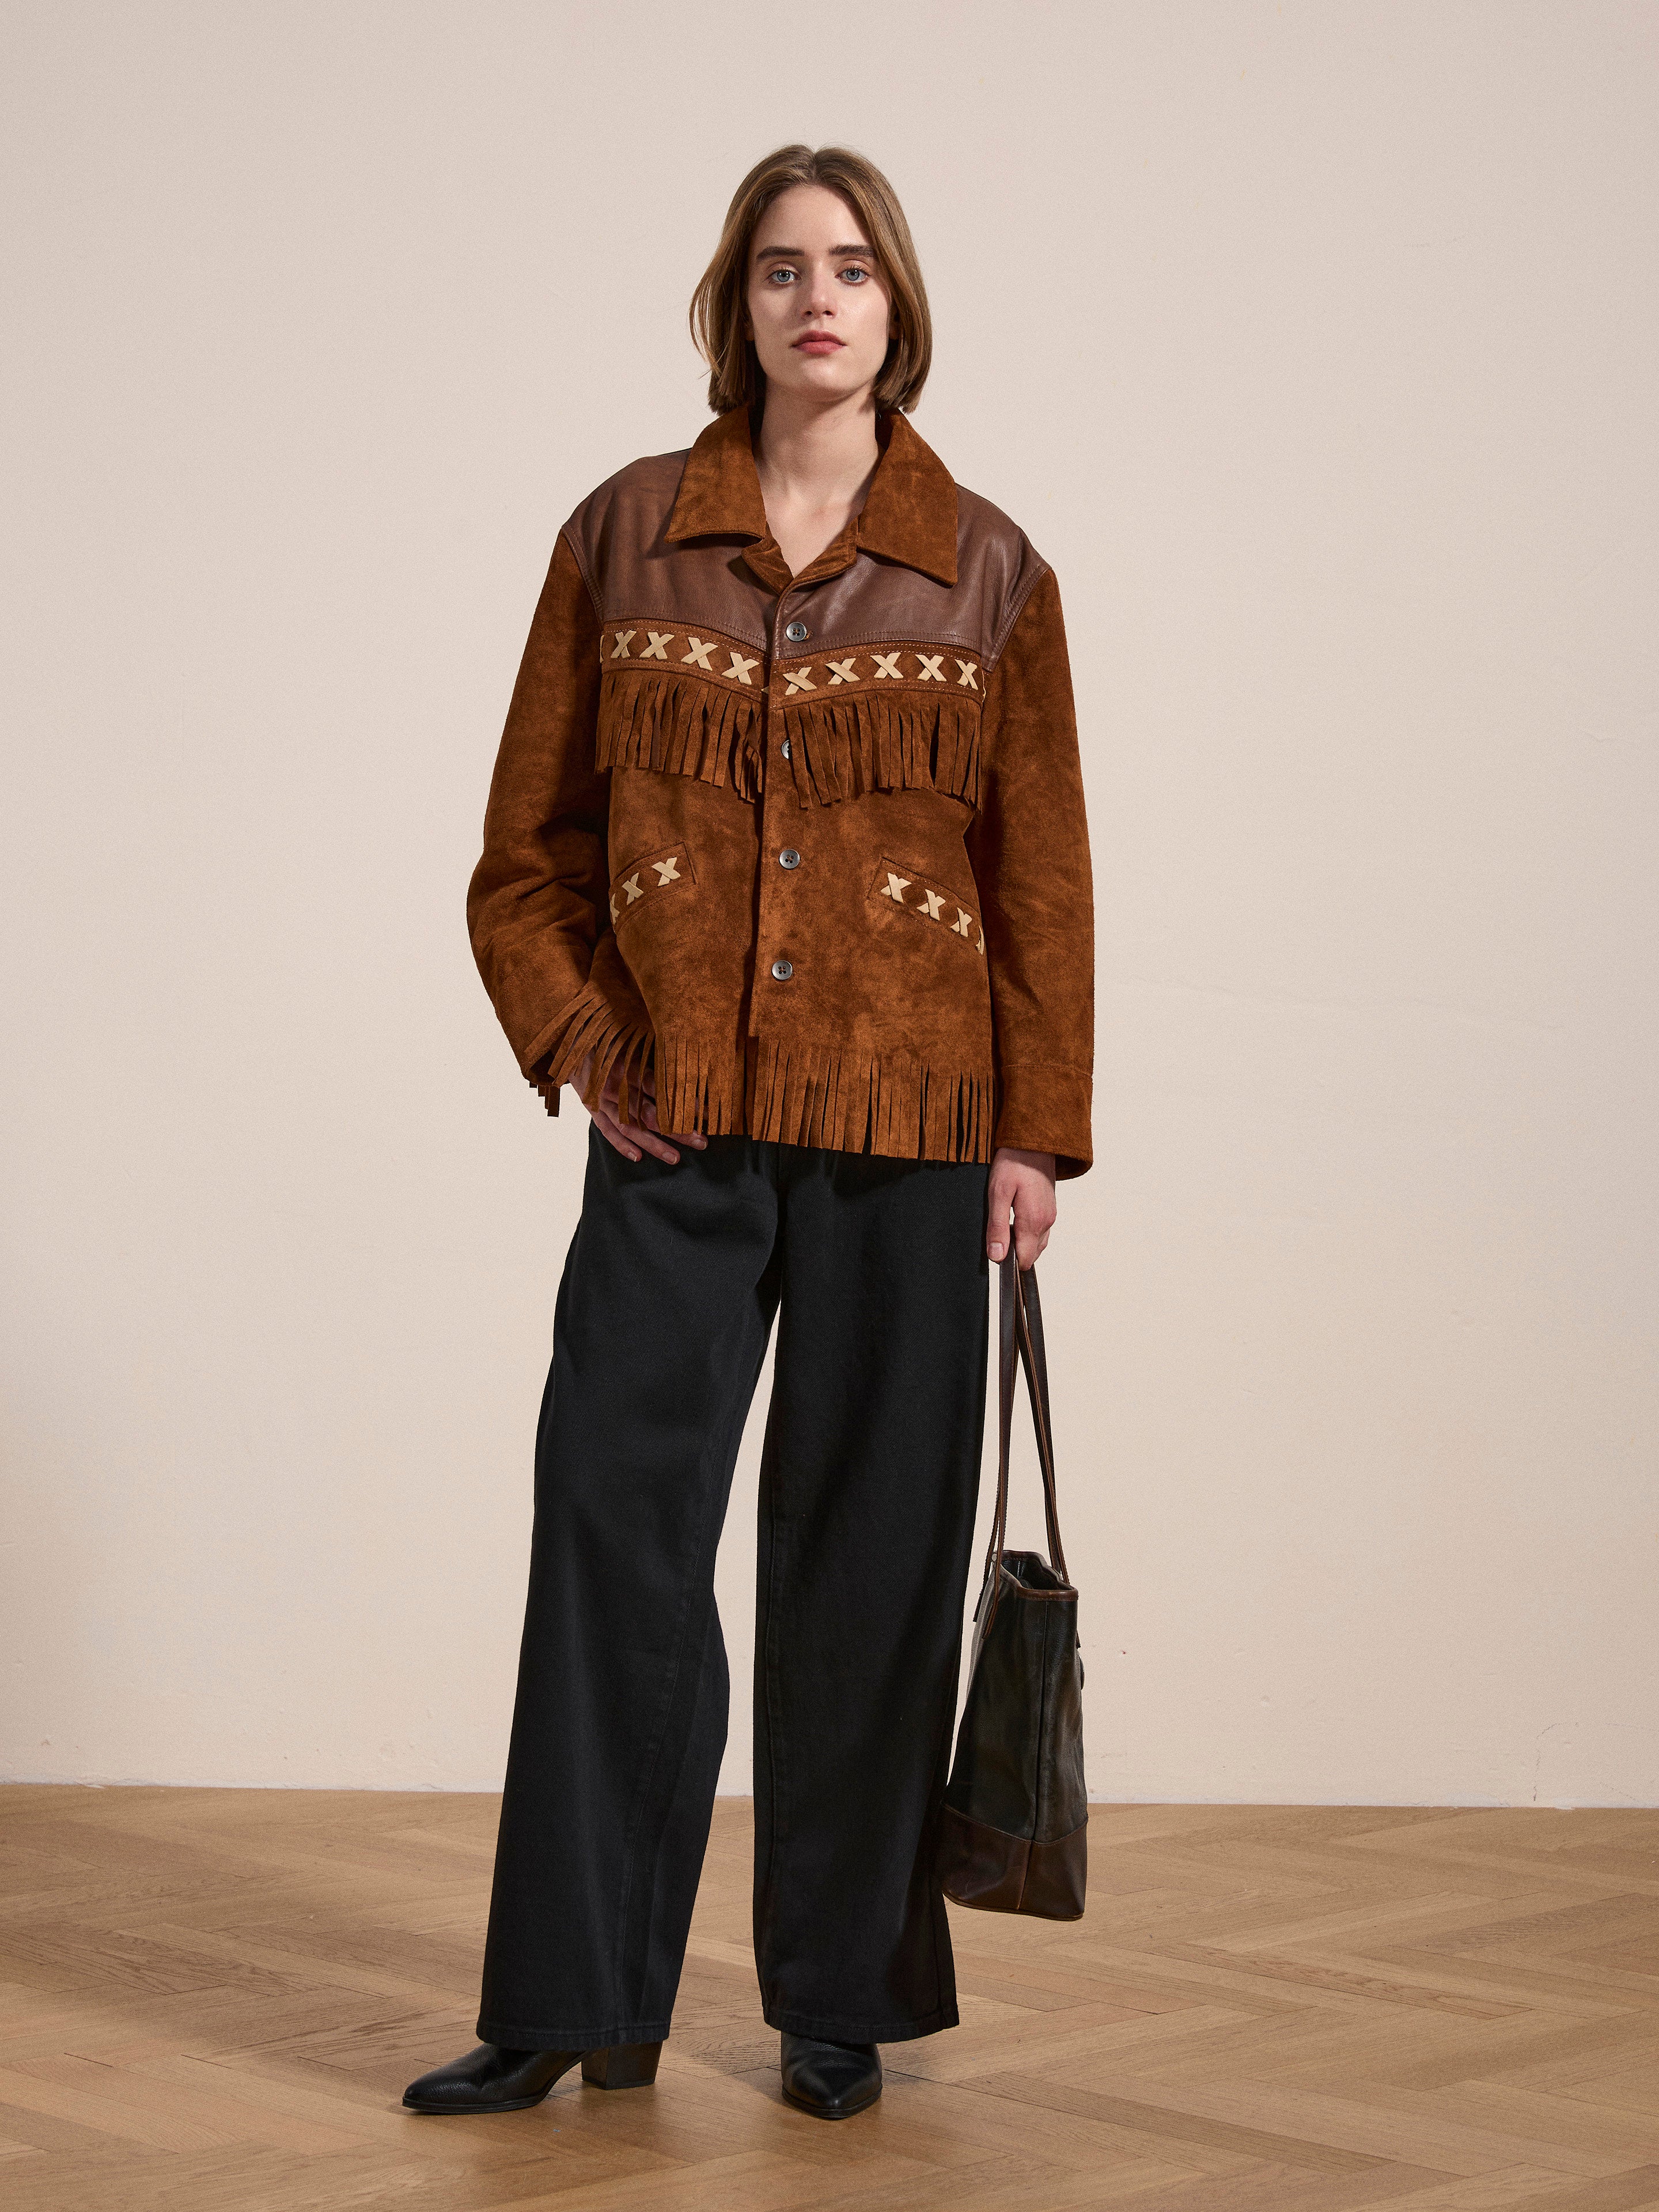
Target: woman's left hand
[{"x": 1023, "y": 1184}]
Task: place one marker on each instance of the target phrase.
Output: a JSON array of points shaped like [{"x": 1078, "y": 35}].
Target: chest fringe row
[
  {"x": 680, "y": 727},
  {"x": 838, "y": 749}
]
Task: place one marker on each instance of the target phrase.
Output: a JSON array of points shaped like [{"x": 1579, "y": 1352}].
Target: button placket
[
  {"x": 797, "y": 633},
  {"x": 775, "y": 791}
]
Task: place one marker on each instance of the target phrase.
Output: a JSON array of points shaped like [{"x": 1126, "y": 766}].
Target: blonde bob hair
[{"x": 719, "y": 306}]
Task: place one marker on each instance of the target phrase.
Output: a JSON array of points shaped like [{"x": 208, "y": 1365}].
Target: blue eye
[
  {"x": 856, "y": 276},
  {"x": 781, "y": 276}
]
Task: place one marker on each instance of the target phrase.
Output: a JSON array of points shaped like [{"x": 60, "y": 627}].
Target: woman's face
[{"x": 819, "y": 311}]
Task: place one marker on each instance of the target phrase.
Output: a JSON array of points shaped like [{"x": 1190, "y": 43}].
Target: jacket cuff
[
  {"x": 1045, "y": 1108},
  {"x": 613, "y": 1027}
]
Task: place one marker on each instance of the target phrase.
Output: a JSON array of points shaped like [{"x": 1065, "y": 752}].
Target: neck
[{"x": 816, "y": 452}]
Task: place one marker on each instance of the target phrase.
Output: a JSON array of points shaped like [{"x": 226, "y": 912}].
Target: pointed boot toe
[
  {"x": 831, "y": 2080},
  {"x": 490, "y": 2079}
]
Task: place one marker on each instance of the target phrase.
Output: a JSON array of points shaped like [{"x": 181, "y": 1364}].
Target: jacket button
[
  {"x": 786, "y": 749},
  {"x": 789, "y": 858},
  {"x": 783, "y": 970},
  {"x": 797, "y": 633}
]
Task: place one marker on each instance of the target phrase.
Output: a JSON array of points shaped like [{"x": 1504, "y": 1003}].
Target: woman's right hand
[{"x": 630, "y": 1138}]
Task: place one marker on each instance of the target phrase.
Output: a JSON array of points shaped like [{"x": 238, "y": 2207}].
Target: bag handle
[{"x": 1020, "y": 1327}]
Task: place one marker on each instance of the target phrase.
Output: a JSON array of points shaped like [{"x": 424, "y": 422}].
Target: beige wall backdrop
[{"x": 1313, "y": 345}]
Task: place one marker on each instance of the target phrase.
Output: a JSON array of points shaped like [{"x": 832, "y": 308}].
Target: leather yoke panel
[{"x": 633, "y": 570}]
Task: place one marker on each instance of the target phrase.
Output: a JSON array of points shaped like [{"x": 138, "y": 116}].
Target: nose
[{"x": 818, "y": 293}]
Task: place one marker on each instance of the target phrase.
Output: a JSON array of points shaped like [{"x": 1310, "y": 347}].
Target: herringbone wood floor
[{"x": 214, "y": 1999}]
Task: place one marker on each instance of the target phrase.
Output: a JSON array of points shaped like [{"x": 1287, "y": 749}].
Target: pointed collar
[{"x": 910, "y": 516}]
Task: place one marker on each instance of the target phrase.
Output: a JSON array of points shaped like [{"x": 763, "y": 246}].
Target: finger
[
  {"x": 998, "y": 1203},
  {"x": 646, "y": 1129},
  {"x": 641, "y": 1101},
  {"x": 606, "y": 1123},
  {"x": 648, "y": 1118},
  {"x": 643, "y": 1133},
  {"x": 1031, "y": 1227},
  {"x": 611, "y": 1095},
  {"x": 694, "y": 1138},
  {"x": 657, "y": 1146}
]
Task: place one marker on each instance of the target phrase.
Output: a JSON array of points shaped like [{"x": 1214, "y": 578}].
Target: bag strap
[
  {"x": 1035, "y": 1359},
  {"x": 1020, "y": 1329}
]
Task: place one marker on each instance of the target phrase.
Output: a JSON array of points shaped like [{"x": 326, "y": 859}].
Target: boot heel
[{"x": 622, "y": 2065}]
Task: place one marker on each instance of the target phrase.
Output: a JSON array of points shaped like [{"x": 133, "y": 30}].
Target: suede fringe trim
[
  {"x": 840, "y": 747},
  {"x": 681, "y": 726},
  {"x": 780, "y": 1092},
  {"x": 594, "y": 1025}
]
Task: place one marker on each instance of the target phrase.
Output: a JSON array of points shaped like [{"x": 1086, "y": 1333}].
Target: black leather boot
[
  {"x": 492, "y": 2078},
  {"x": 831, "y": 2080}
]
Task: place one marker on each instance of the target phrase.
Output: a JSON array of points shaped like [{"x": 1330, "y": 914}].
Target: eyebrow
[{"x": 799, "y": 253}]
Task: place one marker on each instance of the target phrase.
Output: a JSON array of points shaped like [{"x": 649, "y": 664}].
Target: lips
[{"x": 818, "y": 341}]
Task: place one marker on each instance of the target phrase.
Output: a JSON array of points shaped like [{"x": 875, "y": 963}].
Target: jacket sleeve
[
  {"x": 1029, "y": 849},
  {"x": 538, "y": 906}
]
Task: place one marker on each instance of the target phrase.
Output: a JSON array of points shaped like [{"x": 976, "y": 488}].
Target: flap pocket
[
  {"x": 896, "y": 884},
  {"x": 654, "y": 876}
]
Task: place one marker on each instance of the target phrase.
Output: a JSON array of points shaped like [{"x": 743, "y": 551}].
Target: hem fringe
[{"x": 780, "y": 1091}]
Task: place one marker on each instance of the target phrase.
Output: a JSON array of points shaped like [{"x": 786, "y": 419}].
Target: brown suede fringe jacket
[{"x": 809, "y": 848}]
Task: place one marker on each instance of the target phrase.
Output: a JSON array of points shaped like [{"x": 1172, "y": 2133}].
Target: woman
[{"x": 786, "y": 872}]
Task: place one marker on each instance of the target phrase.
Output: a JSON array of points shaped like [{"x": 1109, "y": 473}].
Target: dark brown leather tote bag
[{"x": 1015, "y": 1825}]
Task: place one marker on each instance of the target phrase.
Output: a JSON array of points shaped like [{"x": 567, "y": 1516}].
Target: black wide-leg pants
[{"x": 869, "y": 1478}]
